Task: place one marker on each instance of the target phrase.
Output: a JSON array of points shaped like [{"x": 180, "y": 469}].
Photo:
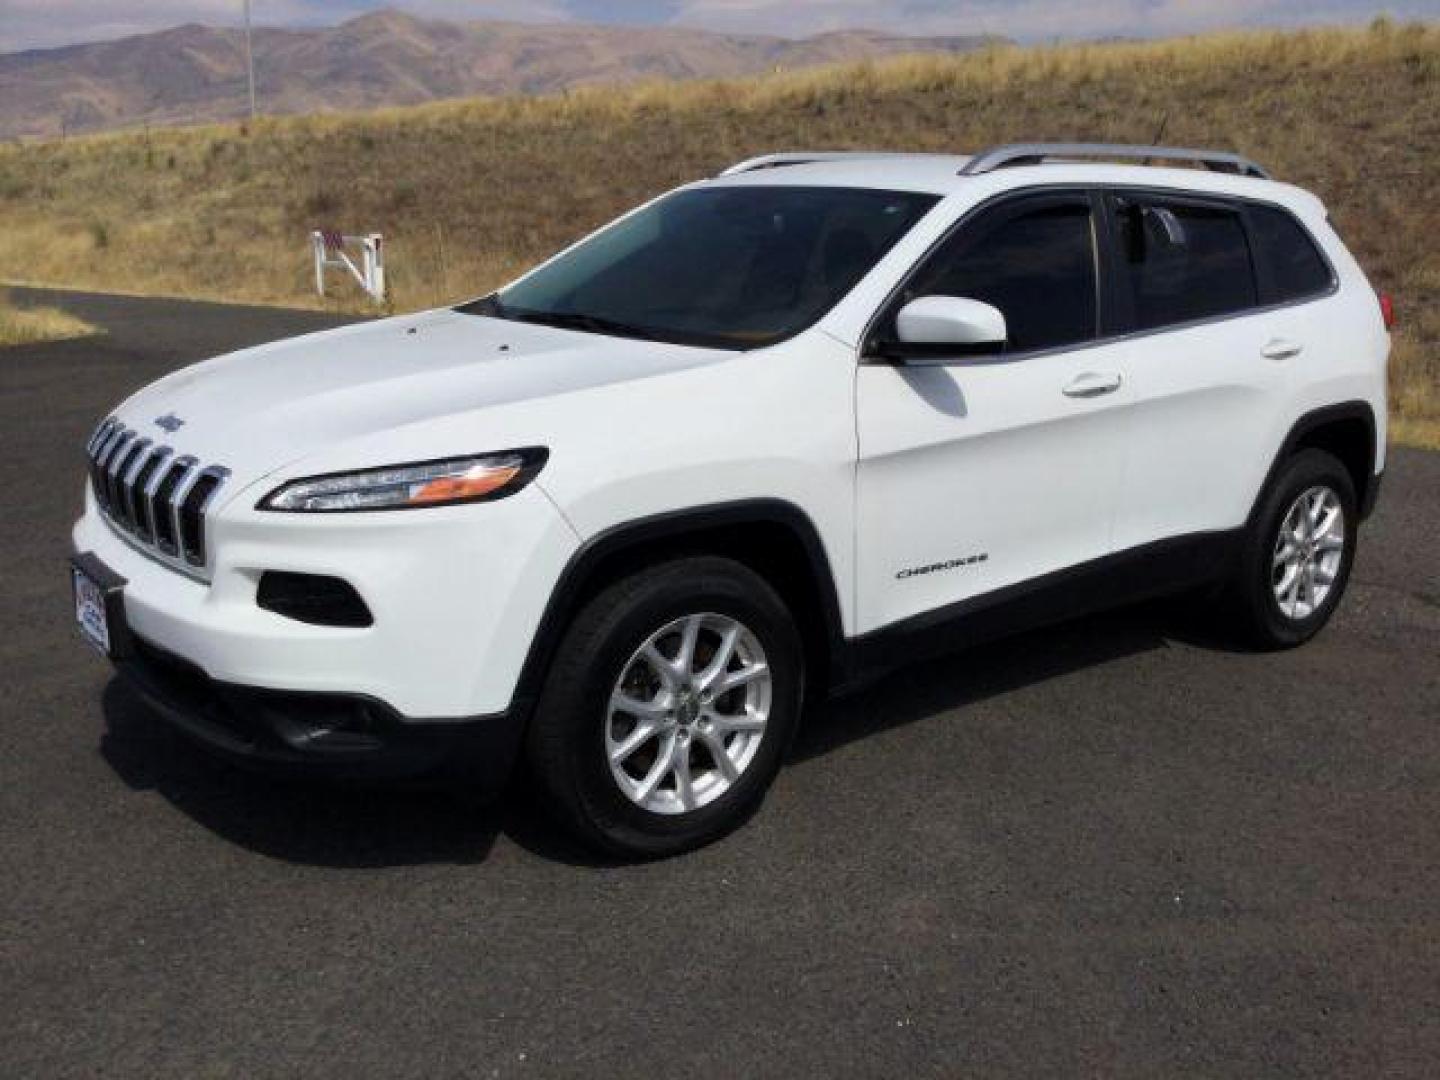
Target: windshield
[{"x": 733, "y": 267}]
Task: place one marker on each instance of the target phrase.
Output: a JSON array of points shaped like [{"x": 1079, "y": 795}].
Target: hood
[{"x": 257, "y": 410}]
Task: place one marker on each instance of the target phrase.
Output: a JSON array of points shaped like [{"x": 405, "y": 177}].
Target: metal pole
[{"x": 250, "y": 59}]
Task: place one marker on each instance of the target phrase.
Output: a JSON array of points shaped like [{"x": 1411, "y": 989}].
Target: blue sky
[{"x": 43, "y": 23}]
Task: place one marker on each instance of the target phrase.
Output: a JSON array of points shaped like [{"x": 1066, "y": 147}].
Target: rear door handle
[
  {"x": 1092, "y": 384},
  {"x": 1281, "y": 349}
]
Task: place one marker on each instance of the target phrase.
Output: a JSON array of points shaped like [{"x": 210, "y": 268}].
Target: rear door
[{"x": 1207, "y": 358}]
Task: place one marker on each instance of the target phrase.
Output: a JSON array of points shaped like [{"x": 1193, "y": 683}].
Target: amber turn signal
[{"x": 476, "y": 483}]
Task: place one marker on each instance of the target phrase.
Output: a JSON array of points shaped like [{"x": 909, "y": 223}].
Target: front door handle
[
  {"x": 1281, "y": 349},
  {"x": 1092, "y": 384}
]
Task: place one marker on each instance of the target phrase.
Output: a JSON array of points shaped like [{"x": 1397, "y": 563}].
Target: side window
[
  {"x": 1297, "y": 269},
  {"x": 1037, "y": 266},
  {"x": 1181, "y": 261}
]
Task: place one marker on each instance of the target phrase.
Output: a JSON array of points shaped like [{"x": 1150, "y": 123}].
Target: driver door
[{"x": 980, "y": 473}]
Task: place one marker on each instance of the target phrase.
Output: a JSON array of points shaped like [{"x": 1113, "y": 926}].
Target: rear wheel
[
  {"x": 1297, "y": 555},
  {"x": 668, "y": 708}
]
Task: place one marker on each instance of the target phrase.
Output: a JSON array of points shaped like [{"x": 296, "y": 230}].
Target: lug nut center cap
[{"x": 688, "y": 710}]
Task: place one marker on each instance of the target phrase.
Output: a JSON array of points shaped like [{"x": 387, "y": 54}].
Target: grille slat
[
  {"x": 129, "y": 469},
  {"x": 178, "y": 499},
  {"x": 102, "y": 433},
  {"x": 192, "y": 515},
  {"x": 107, "y": 445},
  {"x": 165, "y": 534},
  {"x": 112, "y": 471},
  {"x": 158, "y": 500},
  {"x": 140, "y": 493}
]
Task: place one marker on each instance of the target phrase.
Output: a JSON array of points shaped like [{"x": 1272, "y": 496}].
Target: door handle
[
  {"x": 1091, "y": 385},
  {"x": 1281, "y": 349}
]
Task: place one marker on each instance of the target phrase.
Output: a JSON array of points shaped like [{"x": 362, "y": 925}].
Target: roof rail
[
  {"x": 1038, "y": 153},
  {"x": 804, "y": 157}
]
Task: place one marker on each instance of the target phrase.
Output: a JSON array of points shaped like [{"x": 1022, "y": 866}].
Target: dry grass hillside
[
  {"x": 469, "y": 193},
  {"x": 28, "y": 325}
]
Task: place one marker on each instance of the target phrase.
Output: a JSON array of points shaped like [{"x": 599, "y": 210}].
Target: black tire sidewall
[
  {"x": 1307, "y": 469},
  {"x": 572, "y": 713}
]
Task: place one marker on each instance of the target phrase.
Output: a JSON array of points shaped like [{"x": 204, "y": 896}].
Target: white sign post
[{"x": 330, "y": 253}]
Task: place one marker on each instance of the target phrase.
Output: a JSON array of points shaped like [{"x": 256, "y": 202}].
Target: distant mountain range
[{"x": 197, "y": 73}]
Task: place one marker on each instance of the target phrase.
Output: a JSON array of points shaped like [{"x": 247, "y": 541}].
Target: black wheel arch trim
[
  {"x": 579, "y": 575},
  {"x": 1314, "y": 420}
]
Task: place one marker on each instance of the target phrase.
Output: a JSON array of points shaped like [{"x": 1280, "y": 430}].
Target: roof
[
  {"x": 930, "y": 173},
  {"x": 1015, "y": 166}
]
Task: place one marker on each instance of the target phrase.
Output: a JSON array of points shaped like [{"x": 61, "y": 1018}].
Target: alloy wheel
[
  {"x": 688, "y": 712},
  {"x": 1308, "y": 552}
]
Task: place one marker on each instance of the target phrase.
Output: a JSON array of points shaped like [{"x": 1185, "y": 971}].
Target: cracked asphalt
[{"x": 1114, "y": 848}]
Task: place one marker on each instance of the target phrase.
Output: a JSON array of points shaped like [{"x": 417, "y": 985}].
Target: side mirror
[{"x": 941, "y": 328}]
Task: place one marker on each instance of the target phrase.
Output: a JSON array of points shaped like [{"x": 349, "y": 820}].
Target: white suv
[{"x": 752, "y": 443}]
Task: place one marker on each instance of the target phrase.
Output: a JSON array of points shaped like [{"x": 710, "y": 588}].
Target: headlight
[{"x": 403, "y": 487}]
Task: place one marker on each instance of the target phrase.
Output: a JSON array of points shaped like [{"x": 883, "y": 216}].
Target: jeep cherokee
[{"x": 755, "y": 441}]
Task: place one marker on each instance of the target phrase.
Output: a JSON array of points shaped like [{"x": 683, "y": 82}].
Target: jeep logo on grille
[{"x": 169, "y": 423}]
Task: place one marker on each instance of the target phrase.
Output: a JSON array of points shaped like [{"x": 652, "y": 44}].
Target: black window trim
[{"x": 1114, "y": 328}]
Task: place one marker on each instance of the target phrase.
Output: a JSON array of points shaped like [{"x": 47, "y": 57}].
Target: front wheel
[
  {"x": 1297, "y": 554},
  {"x": 668, "y": 708}
]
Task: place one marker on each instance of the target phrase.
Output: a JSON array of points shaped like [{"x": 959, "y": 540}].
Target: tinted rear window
[
  {"x": 1183, "y": 261},
  {"x": 1297, "y": 269}
]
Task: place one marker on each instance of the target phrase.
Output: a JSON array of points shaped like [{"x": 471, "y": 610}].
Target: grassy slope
[{"x": 469, "y": 193}]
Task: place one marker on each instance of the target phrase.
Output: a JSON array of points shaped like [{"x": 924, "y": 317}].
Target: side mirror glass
[{"x": 940, "y": 328}]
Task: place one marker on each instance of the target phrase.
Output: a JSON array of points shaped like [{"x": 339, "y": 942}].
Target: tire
[
  {"x": 580, "y": 723},
  {"x": 1269, "y": 562}
]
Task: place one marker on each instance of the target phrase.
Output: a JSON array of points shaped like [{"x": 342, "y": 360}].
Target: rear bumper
[{"x": 337, "y": 736}]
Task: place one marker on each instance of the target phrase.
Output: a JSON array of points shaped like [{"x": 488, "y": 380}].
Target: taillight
[{"x": 1387, "y": 310}]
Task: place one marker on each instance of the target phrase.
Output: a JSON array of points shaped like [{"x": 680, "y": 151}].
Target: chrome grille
[{"x": 157, "y": 499}]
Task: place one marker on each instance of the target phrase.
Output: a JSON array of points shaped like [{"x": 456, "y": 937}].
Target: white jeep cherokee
[{"x": 755, "y": 441}]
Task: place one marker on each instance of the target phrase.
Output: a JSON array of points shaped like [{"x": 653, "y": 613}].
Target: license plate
[{"x": 90, "y": 611}]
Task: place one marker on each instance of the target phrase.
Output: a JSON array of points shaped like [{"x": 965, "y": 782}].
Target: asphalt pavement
[{"x": 1114, "y": 848}]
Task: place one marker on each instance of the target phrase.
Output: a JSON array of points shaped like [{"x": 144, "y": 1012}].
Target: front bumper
[
  {"x": 338, "y": 736},
  {"x": 456, "y": 594}
]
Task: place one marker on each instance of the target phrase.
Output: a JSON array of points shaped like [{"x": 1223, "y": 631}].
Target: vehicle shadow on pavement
[
  {"x": 970, "y": 676},
  {"x": 318, "y": 824},
  {"x": 340, "y": 826}
]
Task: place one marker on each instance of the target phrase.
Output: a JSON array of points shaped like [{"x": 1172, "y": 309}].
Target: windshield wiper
[
  {"x": 489, "y": 306},
  {"x": 576, "y": 320},
  {"x": 492, "y": 307}
]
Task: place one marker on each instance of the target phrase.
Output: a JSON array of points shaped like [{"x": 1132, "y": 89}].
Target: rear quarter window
[{"x": 1297, "y": 270}]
